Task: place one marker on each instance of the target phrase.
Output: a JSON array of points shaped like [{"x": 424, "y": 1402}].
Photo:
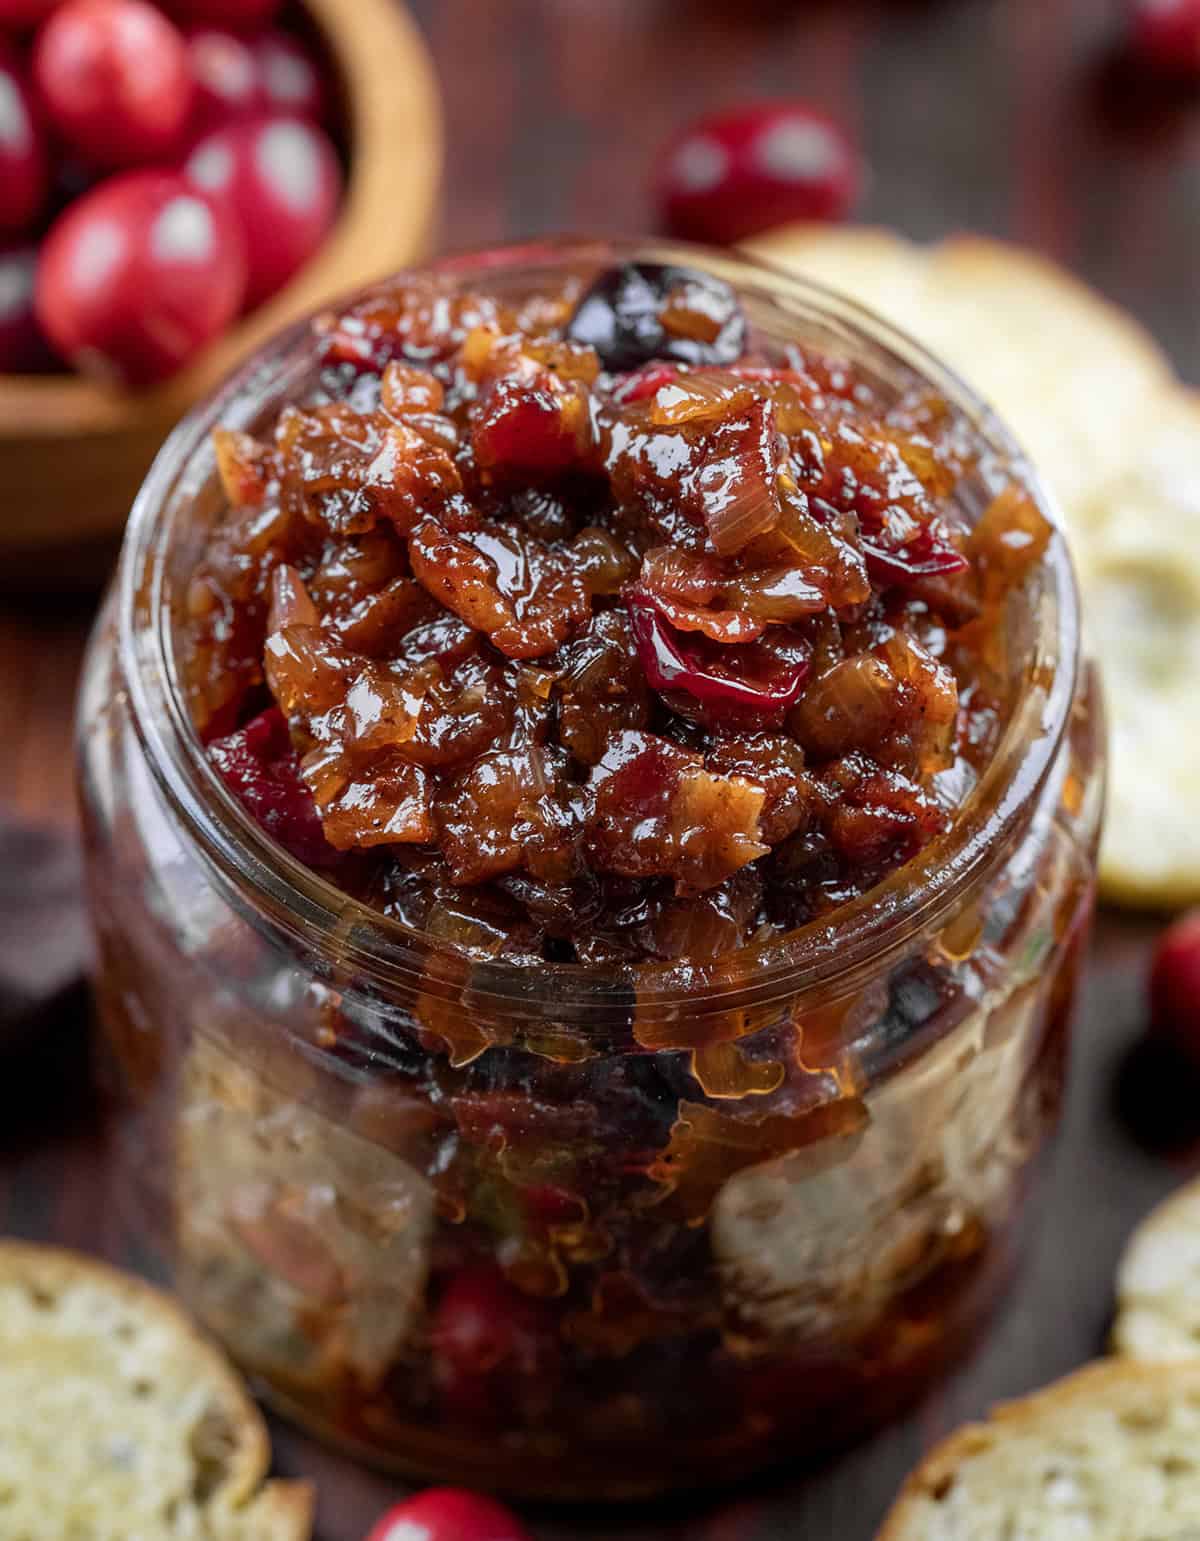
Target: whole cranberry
[
  {"x": 17, "y": 15},
  {"x": 289, "y": 77},
  {"x": 139, "y": 275},
  {"x": 23, "y": 346},
  {"x": 1175, "y": 985},
  {"x": 241, "y": 15},
  {"x": 491, "y": 1344},
  {"x": 281, "y": 180},
  {"x": 24, "y": 161},
  {"x": 733, "y": 174},
  {"x": 1167, "y": 34},
  {"x": 226, "y": 83},
  {"x": 448, "y": 1514},
  {"x": 114, "y": 77}
]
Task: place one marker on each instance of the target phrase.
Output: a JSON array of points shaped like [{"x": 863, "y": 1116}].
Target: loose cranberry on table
[
  {"x": 23, "y": 346},
  {"x": 735, "y": 173},
  {"x": 24, "y": 162},
  {"x": 281, "y": 180},
  {"x": 114, "y": 77},
  {"x": 225, "y": 78},
  {"x": 1167, "y": 34},
  {"x": 139, "y": 275},
  {"x": 289, "y": 78},
  {"x": 449, "y": 1514},
  {"x": 1175, "y": 986}
]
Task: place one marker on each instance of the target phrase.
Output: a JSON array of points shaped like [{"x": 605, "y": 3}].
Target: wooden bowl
[{"x": 73, "y": 452}]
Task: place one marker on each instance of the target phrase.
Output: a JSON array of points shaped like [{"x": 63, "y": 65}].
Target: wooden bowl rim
[{"x": 396, "y": 140}]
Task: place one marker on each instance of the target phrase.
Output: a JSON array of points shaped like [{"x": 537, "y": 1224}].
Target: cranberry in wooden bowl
[
  {"x": 591, "y": 793},
  {"x": 74, "y": 449}
]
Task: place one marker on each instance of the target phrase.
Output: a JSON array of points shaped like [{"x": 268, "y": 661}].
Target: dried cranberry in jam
[
  {"x": 597, "y": 627},
  {"x": 646, "y": 311},
  {"x": 259, "y": 765}
]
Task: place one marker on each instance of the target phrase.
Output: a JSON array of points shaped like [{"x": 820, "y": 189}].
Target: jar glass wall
[{"x": 569, "y": 1230}]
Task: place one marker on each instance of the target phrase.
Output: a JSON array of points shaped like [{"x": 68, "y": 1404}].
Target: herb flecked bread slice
[
  {"x": 1111, "y": 1453},
  {"x": 119, "y": 1420}
]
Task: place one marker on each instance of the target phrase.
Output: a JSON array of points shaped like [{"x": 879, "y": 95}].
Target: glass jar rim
[{"x": 349, "y": 936}]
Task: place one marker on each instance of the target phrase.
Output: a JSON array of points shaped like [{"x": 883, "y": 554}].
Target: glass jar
[{"x": 575, "y": 1231}]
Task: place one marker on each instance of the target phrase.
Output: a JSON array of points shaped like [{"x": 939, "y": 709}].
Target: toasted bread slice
[
  {"x": 1158, "y": 1282},
  {"x": 1111, "y": 1453},
  {"x": 1092, "y": 398},
  {"x": 119, "y": 1419}
]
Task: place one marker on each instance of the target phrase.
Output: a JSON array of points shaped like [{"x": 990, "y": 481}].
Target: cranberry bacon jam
[{"x": 583, "y": 630}]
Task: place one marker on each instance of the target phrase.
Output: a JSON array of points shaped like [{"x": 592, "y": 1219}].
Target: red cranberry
[
  {"x": 16, "y": 15},
  {"x": 138, "y": 275},
  {"x": 762, "y": 678},
  {"x": 289, "y": 79},
  {"x": 115, "y": 80},
  {"x": 261, "y": 769},
  {"x": 1167, "y": 34},
  {"x": 488, "y": 1338},
  {"x": 1175, "y": 985},
  {"x": 23, "y": 347},
  {"x": 281, "y": 179},
  {"x": 736, "y": 173},
  {"x": 225, "y": 78},
  {"x": 24, "y": 163},
  {"x": 241, "y": 15},
  {"x": 449, "y": 1514}
]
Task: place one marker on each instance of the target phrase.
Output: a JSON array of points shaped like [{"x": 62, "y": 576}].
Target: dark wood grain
[{"x": 1014, "y": 117}]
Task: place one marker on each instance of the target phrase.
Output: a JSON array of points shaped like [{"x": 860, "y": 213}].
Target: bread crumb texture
[
  {"x": 118, "y": 1421},
  {"x": 1111, "y": 1453}
]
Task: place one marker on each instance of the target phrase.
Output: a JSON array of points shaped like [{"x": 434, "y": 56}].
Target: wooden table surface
[{"x": 1013, "y": 117}]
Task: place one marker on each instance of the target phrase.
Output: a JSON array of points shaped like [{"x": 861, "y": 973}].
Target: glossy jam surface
[{"x": 590, "y": 629}]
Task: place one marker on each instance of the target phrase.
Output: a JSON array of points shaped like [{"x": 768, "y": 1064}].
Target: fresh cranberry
[
  {"x": 281, "y": 180},
  {"x": 24, "y": 162},
  {"x": 23, "y": 346},
  {"x": 114, "y": 77},
  {"x": 225, "y": 78},
  {"x": 17, "y": 15},
  {"x": 733, "y": 174},
  {"x": 763, "y": 678},
  {"x": 491, "y": 1344},
  {"x": 449, "y": 1514},
  {"x": 139, "y": 275},
  {"x": 1167, "y": 34},
  {"x": 260, "y": 767},
  {"x": 1175, "y": 985},
  {"x": 289, "y": 79},
  {"x": 644, "y": 311},
  {"x": 241, "y": 15}
]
